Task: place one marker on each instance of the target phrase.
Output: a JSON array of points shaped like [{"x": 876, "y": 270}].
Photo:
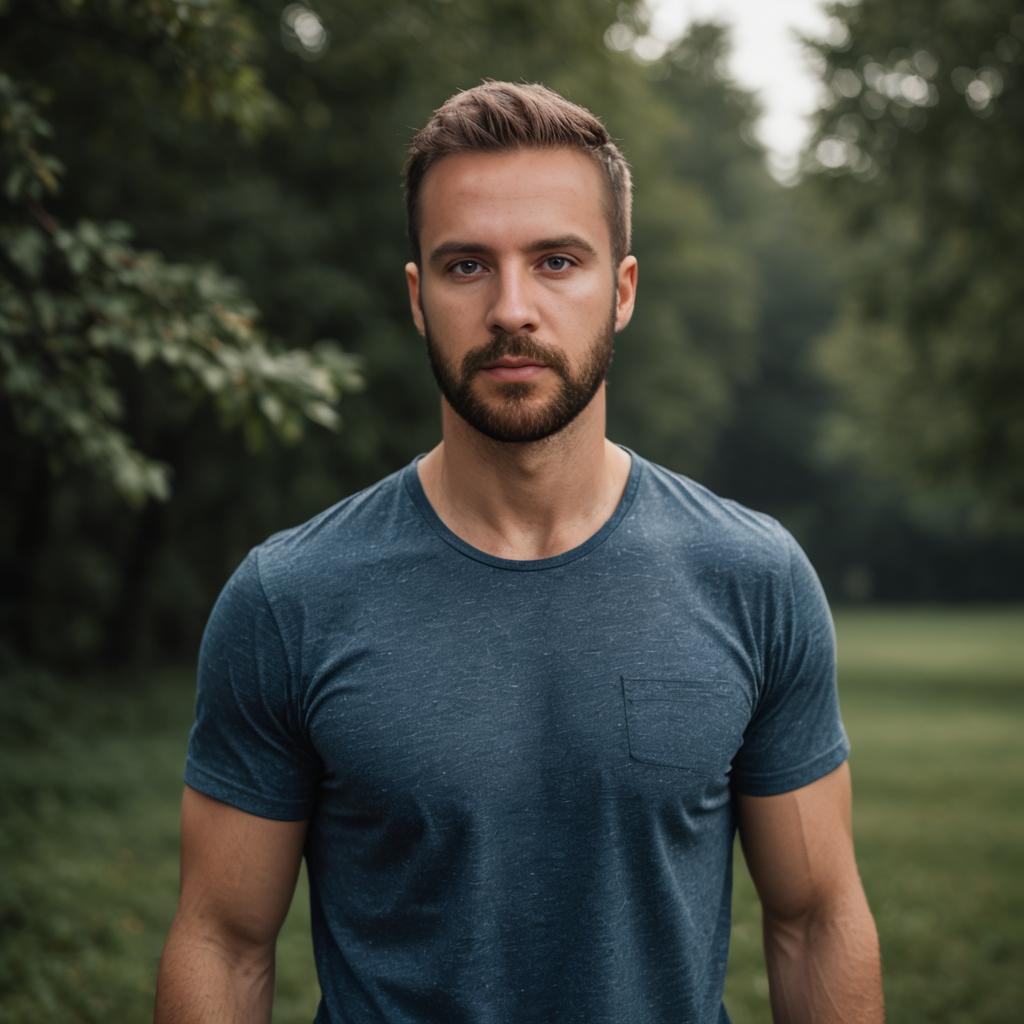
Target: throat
[{"x": 525, "y": 510}]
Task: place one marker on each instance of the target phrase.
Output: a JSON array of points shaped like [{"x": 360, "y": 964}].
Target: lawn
[{"x": 934, "y": 705}]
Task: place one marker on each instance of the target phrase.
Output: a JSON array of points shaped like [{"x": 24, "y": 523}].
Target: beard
[{"x": 510, "y": 416}]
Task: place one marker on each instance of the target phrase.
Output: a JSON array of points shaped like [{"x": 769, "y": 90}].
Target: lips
[
  {"x": 513, "y": 363},
  {"x": 512, "y": 369},
  {"x": 513, "y": 357}
]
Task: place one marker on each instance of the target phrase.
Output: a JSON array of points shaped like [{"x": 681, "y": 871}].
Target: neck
[{"x": 526, "y": 501}]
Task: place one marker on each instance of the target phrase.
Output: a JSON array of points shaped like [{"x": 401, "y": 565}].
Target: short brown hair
[{"x": 506, "y": 115}]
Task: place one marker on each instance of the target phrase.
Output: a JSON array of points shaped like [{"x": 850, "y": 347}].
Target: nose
[{"x": 512, "y": 309}]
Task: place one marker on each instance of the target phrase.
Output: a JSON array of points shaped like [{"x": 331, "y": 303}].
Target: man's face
[{"x": 518, "y": 297}]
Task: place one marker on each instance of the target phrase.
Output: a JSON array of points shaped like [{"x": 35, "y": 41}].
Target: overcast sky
[{"x": 766, "y": 57}]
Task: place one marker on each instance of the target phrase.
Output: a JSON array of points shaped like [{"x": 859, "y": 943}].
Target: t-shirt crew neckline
[{"x": 414, "y": 487}]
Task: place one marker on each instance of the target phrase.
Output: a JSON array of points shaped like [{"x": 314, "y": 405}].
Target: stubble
[{"x": 507, "y": 411}]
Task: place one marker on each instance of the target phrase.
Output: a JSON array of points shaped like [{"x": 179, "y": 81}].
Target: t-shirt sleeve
[
  {"x": 796, "y": 734},
  {"x": 246, "y": 747}
]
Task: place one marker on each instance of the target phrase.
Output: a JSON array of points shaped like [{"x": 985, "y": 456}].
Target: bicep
[
  {"x": 799, "y": 846},
  {"x": 238, "y": 871}
]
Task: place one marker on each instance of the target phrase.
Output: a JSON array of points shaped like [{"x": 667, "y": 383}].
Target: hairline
[
  {"x": 607, "y": 194},
  {"x": 497, "y": 117}
]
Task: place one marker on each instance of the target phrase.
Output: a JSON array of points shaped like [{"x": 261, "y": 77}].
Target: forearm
[
  {"x": 204, "y": 979},
  {"x": 825, "y": 968}
]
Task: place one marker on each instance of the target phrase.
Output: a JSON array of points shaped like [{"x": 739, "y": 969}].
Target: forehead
[{"x": 512, "y": 196}]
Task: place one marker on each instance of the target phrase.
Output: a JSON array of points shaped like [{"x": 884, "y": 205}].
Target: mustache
[{"x": 518, "y": 346}]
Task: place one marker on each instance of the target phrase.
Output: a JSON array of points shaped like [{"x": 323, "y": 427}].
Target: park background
[{"x": 204, "y": 338}]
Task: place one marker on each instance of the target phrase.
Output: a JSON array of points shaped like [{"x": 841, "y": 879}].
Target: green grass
[
  {"x": 90, "y": 780},
  {"x": 933, "y": 701}
]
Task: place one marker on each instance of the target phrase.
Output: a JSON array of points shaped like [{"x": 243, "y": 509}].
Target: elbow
[
  {"x": 842, "y": 917},
  {"x": 242, "y": 951}
]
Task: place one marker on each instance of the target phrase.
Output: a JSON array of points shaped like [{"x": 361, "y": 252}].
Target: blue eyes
[
  {"x": 473, "y": 268},
  {"x": 562, "y": 262}
]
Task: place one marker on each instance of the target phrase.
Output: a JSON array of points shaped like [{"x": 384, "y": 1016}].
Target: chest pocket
[{"x": 694, "y": 724}]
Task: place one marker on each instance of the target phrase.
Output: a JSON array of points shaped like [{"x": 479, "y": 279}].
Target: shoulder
[
  {"x": 711, "y": 531},
  {"x": 361, "y": 530}
]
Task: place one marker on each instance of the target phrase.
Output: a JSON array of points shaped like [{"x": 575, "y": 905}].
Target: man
[{"x": 512, "y": 701}]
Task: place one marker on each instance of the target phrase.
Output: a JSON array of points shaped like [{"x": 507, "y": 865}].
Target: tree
[
  {"x": 78, "y": 304},
  {"x": 268, "y": 139},
  {"x": 92, "y": 328},
  {"x": 918, "y": 155},
  {"x": 703, "y": 196}
]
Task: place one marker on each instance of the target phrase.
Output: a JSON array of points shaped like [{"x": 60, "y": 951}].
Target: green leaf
[{"x": 27, "y": 249}]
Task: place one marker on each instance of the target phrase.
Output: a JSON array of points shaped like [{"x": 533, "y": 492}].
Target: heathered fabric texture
[{"x": 518, "y": 775}]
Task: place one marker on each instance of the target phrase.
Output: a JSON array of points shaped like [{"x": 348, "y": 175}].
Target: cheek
[
  {"x": 451, "y": 319},
  {"x": 592, "y": 305},
  {"x": 450, "y": 305},
  {"x": 452, "y": 330}
]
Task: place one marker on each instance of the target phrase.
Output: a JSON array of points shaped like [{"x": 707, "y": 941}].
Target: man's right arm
[{"x": 238, "y": 874}]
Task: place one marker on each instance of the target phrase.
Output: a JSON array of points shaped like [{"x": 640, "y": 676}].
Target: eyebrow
[{"x": 455, "y": 248}]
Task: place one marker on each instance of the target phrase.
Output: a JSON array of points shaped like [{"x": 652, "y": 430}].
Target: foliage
[
  {"x": 703, "y": 194},
  {"x": 267, "y": 139},
  {"x": 918, "y": 155},
  {"x": 75, "y": 301},
  {"x": 304, "y": 206},
  {"x": 112, "y": 355}
]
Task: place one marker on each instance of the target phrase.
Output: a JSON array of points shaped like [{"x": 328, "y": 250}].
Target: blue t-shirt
[{"x": 518, "y": 774}]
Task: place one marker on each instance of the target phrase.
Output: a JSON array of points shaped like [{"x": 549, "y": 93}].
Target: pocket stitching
[{"x": 712, "y": 687}]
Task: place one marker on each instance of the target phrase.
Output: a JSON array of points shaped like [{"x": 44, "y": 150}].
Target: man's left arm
[{"x": 820, "y": 941}]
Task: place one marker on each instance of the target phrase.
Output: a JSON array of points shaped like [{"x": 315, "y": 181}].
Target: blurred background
[{"x": 204, "y": 338}]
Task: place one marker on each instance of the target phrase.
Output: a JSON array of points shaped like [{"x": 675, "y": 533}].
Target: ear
[
  {"x": 625, "y": 291},
  {"x": 412, "y": 281}
]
